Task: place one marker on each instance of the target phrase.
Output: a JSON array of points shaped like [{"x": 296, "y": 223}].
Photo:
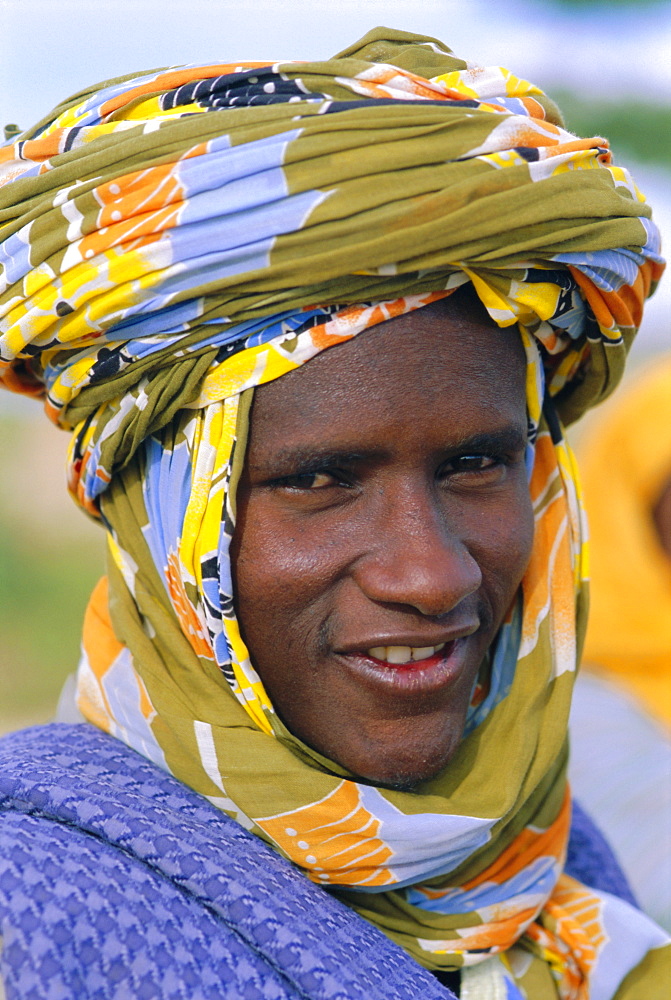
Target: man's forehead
[{"x": 424, "y": 351}]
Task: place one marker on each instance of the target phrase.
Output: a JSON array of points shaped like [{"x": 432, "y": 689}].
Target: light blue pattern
[
  {"x": 431, "y": 834},
  {"x": 234, "y": 177},
  {"x": 166, "y": 487},
  {"x": 127, "y": 714},
  {"x": 179, "y": 317},
  {"x": 503, "y": 666},
  {"x": 608, "y": 269},
  {"x": 14, "y": 259},
  {"x": 622, "y": 950},
  {"x": 538, "y": 879}
]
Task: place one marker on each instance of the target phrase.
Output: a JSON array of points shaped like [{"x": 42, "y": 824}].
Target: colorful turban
[{"x": 172, "y": 240}]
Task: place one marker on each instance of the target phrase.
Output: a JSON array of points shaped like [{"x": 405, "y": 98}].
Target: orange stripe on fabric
[
  {"x": 133, "y": 233},
  {"x": 535, "y": 109},
  {"x": 545, "y": 467},
  {"x": 579, "y": 144},
  {"x": 495, "y": 936},
  {"x": 526, "y": 135},
  {"x": 138, "y": 206},
  {"x": 172, "y": 79},
  {"x": 527, "y": 846},
  {"x": 192, "y": 627},
  {"x": 551, "y": 534},
  {"x": 353, "y": 317},
  {"x": 100, "y": 643},
  {"x": 43, "y": 147},
  {"x": 625, "y": 306},
  {"x": 101, "y": 648},
  {"x": 140, "y": 191},
  {"x": 340, "y": 836},
  {"x": 579, "y": 935},
  {"x": 378, "y": 85}
]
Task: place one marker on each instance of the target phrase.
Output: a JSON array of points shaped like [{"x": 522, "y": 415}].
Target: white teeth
[
  {"x": 403, "y": 654},
  {"x": 398, "y": 654},
  {"x": 423, "y": 652}
]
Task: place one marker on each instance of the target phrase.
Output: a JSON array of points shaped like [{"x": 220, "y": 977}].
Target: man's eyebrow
[
  {"x": 508, "y": 438},
  {"x": 310, "y": 459}
]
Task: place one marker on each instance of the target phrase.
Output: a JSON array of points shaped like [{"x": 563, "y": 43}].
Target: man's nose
[{"x": 415, "y": 557}]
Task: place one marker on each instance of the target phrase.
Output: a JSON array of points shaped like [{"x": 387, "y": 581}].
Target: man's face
[{"x": 384, "y": 527}]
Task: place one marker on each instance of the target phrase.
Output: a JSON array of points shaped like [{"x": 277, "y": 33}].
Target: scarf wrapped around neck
[{"x": 168, "y": 242}]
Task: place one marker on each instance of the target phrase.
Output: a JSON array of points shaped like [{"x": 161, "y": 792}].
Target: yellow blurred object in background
[{"x": 625, "y": 461}]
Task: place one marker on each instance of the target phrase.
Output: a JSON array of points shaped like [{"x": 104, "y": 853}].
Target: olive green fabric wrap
[
  {"x": 389, "y": 193},
  {"x": 173, "y": 240}
]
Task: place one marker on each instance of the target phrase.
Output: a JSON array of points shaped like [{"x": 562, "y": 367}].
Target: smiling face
[{"x": 384, "y": 525}]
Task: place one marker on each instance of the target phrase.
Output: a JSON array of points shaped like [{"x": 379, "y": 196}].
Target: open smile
[
  {"x": 404, "y": 656},
  {"x": 409, "y": 670}
]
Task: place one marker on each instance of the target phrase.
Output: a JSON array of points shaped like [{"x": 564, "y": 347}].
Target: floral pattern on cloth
[{"x": 168, "y": 242}]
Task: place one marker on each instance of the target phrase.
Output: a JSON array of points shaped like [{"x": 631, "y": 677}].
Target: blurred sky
[{"x": 53, "y": 48}]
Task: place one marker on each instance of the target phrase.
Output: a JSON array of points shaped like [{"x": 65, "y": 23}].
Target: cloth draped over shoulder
[
  {"x": 170, "y": 241},
  {"x": 626, "y": 462}
]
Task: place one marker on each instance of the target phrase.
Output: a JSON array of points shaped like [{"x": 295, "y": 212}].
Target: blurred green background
[
  {"x": 632, "y": 127},
  {"x": 50, "y": 553},
  {"x": 50, "y": 557}
]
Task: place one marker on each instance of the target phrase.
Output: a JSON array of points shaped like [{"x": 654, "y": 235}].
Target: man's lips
[
  {"x": 407, "y": 646},
  {"x": 409, "y": 657},
  {"x": 411, "y": 668}
]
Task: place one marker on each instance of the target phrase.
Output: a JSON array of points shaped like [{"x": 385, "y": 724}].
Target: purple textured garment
[{"x": 117, "y": 881}]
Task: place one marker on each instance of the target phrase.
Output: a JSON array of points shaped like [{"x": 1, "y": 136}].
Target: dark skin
[{"x": 384, "y": 506}]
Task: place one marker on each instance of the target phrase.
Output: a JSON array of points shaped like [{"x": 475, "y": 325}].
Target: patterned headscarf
[{"x": 169, "y": 242}]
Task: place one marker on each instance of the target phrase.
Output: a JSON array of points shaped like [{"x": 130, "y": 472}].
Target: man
[{"x": 346, "y": 587}]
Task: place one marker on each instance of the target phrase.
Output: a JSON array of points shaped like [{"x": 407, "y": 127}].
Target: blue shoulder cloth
[{"x": 117, "y": 881}]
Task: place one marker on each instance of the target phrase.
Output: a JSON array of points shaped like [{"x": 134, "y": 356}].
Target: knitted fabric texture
[{"x": 118, "y": 881}]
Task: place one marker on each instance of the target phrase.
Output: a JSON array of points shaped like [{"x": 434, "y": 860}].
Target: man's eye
[
  {"x": 471, "y": 463},
  {"x": 310, "y": 481}
]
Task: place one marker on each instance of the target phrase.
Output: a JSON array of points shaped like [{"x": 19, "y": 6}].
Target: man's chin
[{"x": 405, "y": 775}]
